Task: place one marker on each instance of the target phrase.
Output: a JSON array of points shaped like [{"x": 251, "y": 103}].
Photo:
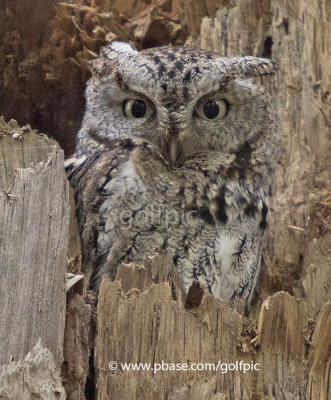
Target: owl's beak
[
  {"x": 173, "y": 151},
  {"x": 173, "y": 147}
]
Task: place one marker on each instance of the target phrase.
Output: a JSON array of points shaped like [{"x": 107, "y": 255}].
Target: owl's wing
[{"x": 88, "y": 176}]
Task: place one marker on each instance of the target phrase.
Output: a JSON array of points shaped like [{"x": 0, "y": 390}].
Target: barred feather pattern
[{"x": 209, "y": 208}]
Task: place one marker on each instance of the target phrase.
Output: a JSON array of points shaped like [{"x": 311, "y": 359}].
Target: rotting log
[{"x": 144, "y": 316}]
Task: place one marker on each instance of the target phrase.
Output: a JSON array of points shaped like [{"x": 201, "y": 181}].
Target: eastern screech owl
[{"x": 176, "y": 151}]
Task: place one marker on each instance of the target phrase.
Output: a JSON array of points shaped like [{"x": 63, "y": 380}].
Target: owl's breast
[
  {"x": 146, "y": 194},
  {"x": 131, "y": 202},
  {"x": 185, "y": 196}
]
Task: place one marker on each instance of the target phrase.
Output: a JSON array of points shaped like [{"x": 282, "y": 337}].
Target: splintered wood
[
  {"x": 147, "y": 326},
  {"x": 36, "y": 377},
  {"x": 34, "y": 221},
  {"x": 143, "y": 323}
]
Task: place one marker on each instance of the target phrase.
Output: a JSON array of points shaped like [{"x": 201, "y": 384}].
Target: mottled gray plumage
[{"x": 174, "y": 179}]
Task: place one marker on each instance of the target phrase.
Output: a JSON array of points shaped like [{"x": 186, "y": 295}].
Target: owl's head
[{"x": 184, "y": 102}]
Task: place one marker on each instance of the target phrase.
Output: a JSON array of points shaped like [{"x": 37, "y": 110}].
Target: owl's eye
[
  {"x": 213, "y": 110},
  {"x": 136, "y": 108}
]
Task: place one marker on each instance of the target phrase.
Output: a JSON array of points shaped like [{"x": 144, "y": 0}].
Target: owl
[{"x": 176, "y": 152}]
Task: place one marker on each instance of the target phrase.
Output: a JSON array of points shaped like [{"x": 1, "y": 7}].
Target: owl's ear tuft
[
  {"x": 251, "y": 67},
  {"x": 111, "y": 52}
]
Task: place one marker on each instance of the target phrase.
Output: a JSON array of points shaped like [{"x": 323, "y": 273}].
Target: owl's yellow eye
[
  {"x": 213, "y": 110},
  {"x": 136, "y": 108}
]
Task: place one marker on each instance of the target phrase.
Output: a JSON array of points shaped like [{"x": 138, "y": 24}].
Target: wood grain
[{"x": 34, "y": 222}]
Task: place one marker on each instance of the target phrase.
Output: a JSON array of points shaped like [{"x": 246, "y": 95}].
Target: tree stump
[{"x": 144, "y": 316}]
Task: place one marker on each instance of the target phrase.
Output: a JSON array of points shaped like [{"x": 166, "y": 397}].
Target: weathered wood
[
  {"x": 76, "y": 347},
  {"x": 36, "y": 377},
  {"x": 20, "y": 148},
  {"x": 319, "y": 382},
  {"x": 74, "y": 250},
  {"x": 158, "y": 268},
  {"x": 316, "y": 277},
  {"x": 148, "y": 326},
  {"x": 34, "y": 222},
  {"x": 282, "y": 347}
]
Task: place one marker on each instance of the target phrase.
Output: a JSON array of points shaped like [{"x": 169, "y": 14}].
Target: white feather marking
[
  {"x": 227, "y": 281},
  {"x": 128, "y": 178},
  {"x": 76, "y": 162},
  {"x": 225, "y": 245}
]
